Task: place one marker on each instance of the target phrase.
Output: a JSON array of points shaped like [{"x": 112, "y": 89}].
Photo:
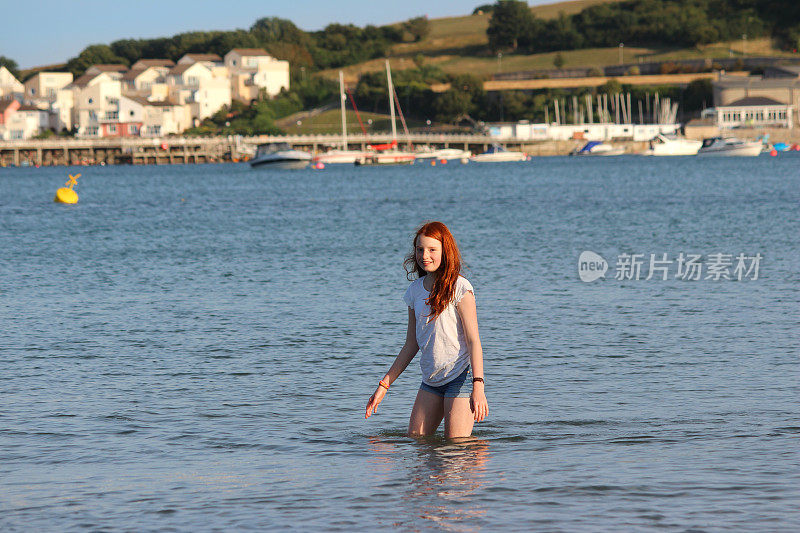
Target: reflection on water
[{"x": 441, "y": 479}]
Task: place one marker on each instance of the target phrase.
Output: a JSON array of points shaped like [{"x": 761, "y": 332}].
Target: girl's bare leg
[
  {"x": 426, "y": 415},
  {"x": 458, "y": 418}
]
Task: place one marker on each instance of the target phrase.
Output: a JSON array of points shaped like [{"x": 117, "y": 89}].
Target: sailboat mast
[
  {"x": 344, "y": 113},
  {"x": 391, "y": 100}
]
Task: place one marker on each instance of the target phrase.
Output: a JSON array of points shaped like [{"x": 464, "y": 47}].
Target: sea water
[{"x": 191, "y": 348}]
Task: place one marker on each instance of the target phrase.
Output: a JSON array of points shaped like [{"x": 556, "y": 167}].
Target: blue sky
[{"x": 51, "y": 31}]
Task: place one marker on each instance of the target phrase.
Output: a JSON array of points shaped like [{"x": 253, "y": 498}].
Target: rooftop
[
  {"x": 203, "y": 57},
  {"x": 754, "y": 101},
  {"x": 250, "y": 52},
  {"x": 144, "y": 63},
  {"x": 117, "y": 67}
]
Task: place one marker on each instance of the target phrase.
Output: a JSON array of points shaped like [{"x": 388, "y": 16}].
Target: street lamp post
[{"x": 621, "y": 46}]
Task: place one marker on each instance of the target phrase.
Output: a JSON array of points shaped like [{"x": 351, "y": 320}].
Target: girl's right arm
[{"x": 407, "y": 353}]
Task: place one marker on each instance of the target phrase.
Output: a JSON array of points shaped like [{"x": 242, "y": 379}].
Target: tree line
[
  {"x": 334, "y": 46},
  {"x": 684, "y": 23}
]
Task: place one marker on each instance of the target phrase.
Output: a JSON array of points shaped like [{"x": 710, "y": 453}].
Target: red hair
[{"x": 444, "y": 286}]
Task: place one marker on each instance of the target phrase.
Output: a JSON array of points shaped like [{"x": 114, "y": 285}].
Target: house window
[
  {"x": 33, "y": 90},
  {"x": 112, "y": 128},
  {"x": 133, "y": 129},
  {"x": 93, "y": 116},
  {"x": 91, "y": 130},
  {"x": 112, "y": 115},
  {"x": 132, "y": 112},
  {"x": 155, "y": 130},
  {"x": 91, "y": 100},
  {"x": 16, "y": 134}
]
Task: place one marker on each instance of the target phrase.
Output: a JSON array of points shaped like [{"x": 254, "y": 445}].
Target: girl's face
[{"x": 429, "y": 253}]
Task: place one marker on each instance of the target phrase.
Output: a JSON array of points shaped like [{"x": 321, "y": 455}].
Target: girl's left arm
[{"x": 469, "y": 319}]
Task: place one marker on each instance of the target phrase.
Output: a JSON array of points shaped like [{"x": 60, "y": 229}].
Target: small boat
[
  {"x": 338, "y": 156},
  {"x": 446, "y": 154},
  {"x": 498, "y": 154},
  {"x": 598, "y": 148},
  {"x": 385, "y": 154},
  {"x": 730, "y": 146},
  {"x": 280, "y": 155},
  {"x": 671, "y": 145}
]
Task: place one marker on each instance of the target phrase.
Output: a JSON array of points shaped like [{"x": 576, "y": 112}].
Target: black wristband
[{"x": 478, "y": 379}]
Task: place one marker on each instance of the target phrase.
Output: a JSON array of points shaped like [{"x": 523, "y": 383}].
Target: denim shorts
[{"x": 451, "y": 389}]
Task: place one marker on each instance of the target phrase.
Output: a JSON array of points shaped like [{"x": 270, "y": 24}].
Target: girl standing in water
[{"x": 443, "y": 325}]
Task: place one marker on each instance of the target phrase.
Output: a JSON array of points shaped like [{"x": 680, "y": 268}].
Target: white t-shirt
[{"x": 443, "y": 346}]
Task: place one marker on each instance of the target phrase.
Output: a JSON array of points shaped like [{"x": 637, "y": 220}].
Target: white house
[
  {"x": 25, "y": 122},
  {"x": 43, "y": 86},
  {"x": 144, "y": 118},
  {"x": 253, "y": 69},
  {"x": 96, "y": 104},
  {"x": 148, "y": 81},
  {"x": 9, "y": 85},
  {"x": 204, "y": 88}
]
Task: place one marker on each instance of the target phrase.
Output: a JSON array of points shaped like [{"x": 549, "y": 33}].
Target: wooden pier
[
  {"x": 186, "y": 150},
  {"x": 52, "y": 152}
]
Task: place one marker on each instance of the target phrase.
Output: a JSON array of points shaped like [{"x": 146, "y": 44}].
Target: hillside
[
  {"x": 457, "y": 33},
  {"x": 459, "y": 45}
]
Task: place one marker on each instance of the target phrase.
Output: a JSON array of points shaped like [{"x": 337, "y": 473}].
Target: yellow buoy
[{"x": 65, "y": 195}]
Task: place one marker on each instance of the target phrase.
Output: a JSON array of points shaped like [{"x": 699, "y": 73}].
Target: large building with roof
[{"x": 755, "y": 101}]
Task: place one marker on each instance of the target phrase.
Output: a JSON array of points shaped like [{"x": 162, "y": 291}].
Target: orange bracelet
[{"x": 383, "y": 384}]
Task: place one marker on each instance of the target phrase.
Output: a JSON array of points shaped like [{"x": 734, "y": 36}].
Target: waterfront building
[
  {"x": 253, "y": 69},
  {"x": 139, "y": 117},
  {"x": 95, "y": 103},
  {"x": 20, "y": 122},
  {"x": 205, "y": 89},
  {"x": 768, "y": 100},
  {"x": 44, "y": 86},
  {"x": 146, "y": 81}
]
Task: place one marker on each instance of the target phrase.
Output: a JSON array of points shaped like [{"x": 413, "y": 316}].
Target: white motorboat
[
  {"x": 445, "y": 154},
  {"x": 670, "y": 145},
  {"x": 340, "y": 155},
  {"x": 279, "y": 155},
  {"x": 599, "y": 148},
  {"x": 498, "y": 154},
  {"x": 337, "y": 156},
  {"x": 730, "y": 146}
]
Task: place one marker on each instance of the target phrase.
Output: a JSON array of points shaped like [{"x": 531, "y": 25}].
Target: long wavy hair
[{"x": 444, "y": 286}]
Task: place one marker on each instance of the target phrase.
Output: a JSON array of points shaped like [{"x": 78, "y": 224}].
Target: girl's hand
[
  {"x": 480, "y": 407},
  {"x": 374, "y": 401}
]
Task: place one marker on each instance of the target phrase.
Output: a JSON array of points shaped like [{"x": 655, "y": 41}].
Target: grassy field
[
  {"x": 459, "y": 45},
  {"x": 484, "y": 65},
  {"x": 455, "y": 33},
  {"x": 331, "y": 122}
]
